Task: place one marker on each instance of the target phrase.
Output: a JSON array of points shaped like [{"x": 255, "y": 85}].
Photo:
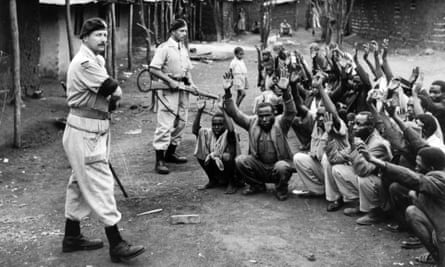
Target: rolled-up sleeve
[{"x": 159, "y": 58}]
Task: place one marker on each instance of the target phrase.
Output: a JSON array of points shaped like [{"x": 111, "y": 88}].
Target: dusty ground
[{"x": 235, "y": 230}]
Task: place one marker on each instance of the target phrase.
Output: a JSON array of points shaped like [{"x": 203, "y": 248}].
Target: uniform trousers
[
  {"x": 91, "y": 186},
  {"x": 169, "y": 127}
]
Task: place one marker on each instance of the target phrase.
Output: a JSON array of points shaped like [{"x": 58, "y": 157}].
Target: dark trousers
[
  {"x": 303, "y": 129},
  {"x": 399, "y": 200},
  {"x": 256, "y": 173},
  {"x": 217, "y": 176}
]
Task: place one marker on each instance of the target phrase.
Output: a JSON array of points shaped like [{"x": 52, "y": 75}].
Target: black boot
[
  {"x": 160, "y": 166},
  {"x": 75, "y": 241},
  {"x": 171, "y": 156},
  {"x": 121, "y": 250}
]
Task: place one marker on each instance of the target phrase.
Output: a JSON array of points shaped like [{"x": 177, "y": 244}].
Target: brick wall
[{"x": 405, "y": 22}]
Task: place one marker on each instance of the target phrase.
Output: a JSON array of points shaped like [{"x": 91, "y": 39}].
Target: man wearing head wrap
[
  {"x": 426, "y": 215},
  {"x": 216, "y": 149},
  {"x": 171, "y": 63},
  {"x": 86, "y": 140}
]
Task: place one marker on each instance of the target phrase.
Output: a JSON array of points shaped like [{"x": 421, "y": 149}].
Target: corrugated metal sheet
[
  {"x": 82, "y": 2},
  {"x": 62, "y": 2}
]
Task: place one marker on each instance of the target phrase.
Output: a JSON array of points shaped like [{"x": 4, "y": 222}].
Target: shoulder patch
[{"x": 85, "y": 64}]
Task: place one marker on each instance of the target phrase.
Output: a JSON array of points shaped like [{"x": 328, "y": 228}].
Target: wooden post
[
  {"x": 16, "y": 73},
  {"x": 155, "y": 23},
  {"x": 200, "y": 22},
  {"x": 162, "y": 21},
  {"x": 69, "y": 28},
  {"x": 130, "y": 37}
]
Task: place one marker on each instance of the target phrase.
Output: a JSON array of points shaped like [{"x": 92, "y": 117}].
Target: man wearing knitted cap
[
  {"x": 86, "y": 140},
  {"x": 171, "y": 63},
  {"x": 426, "y": 215}
]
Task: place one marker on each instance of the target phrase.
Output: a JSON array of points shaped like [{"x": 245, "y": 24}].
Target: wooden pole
[
  {"x": 130, "y": 37},
  {"x": 162, "y": 21},
  {"x": 16, "y": 73},
  {"x": 69, "y": 28},
  {"x": 155, "y": 23},
  {"x": 113, "y": 40}
]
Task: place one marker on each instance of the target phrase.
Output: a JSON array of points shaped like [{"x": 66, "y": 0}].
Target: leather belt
[{"x": 90, "y": 113}]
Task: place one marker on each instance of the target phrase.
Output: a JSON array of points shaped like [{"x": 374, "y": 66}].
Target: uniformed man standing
[
  {"x": 171, "y": 63},
  {"x": 86, "y": 140}
]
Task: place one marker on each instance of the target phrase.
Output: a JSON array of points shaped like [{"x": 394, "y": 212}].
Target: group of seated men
[{"x": 372, "y": 142}]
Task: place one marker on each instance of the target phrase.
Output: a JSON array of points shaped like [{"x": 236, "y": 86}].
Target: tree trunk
[
  {"x": 69, "y": 29},
  {"x": 113, "y": 40},
  {"x": 130, "y": 38},
  {"x": 162, "y": 21},
  {"x": 214, "y": 4},
  {"x": 155, "y": 23},
  {"x": 16, "y": 73}
]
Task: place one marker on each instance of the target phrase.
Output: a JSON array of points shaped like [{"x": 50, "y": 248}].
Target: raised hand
[
  {"x": 355, "y": 49},
  {"x": 366, "y": 50},
  {"x": 374, "y": 47},
  {"x": 364, "y": 152},
  {"x": 384, "y": 47},
  {"x": 414, "y": 75},
  {"x": 319, "y": 79},
  {"x": 201, "y": 104},
  {"x": 418, "y": 84},
  {"x": 283, "y": 83},
  {"x": 227, "y": 80},
  {"x": 328, "y": 122}
]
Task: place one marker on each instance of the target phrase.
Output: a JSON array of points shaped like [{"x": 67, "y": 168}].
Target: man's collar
[{"x": 172, "y": 42}]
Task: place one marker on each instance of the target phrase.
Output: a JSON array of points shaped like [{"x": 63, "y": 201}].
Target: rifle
[{"x": 157, "y": 85}]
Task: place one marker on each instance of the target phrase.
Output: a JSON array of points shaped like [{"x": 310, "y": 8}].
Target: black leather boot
[
  {"x": 171, "y": 156},
  {"x": 160, "y": 166},
  {"x": 75, "y": 241},
  {"x": 121, "y": 250}
]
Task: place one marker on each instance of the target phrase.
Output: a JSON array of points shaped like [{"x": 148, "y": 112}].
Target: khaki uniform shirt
[
  {"x": 172, "y": 58},
  {"x": 86, "y": 73}
]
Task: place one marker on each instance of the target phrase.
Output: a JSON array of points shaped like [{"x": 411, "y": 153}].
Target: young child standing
[{"x": 239, "y": 71}]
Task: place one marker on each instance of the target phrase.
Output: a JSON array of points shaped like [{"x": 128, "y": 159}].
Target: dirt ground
[{"x": 234, "y": 231}]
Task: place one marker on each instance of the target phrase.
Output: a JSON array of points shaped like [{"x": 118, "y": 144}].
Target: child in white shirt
[{"x": 239, "y": 71}]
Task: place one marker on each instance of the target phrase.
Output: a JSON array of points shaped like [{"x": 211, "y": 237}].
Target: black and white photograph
[{"x": 222, "y": 133}]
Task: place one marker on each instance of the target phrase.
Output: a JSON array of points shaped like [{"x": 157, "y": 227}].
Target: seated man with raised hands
[
  {"x": 216, "y": 149},
  {"x": 269, "y": 152},
  {"x": 426, "y": 215}
]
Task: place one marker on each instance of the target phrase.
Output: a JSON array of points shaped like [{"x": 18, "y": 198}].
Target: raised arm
[
  {"x": 385, "y": 65},
  {"x": 364, "y": 77},
  {"x": 290, "y": 110},
  {"x": 378, "y": 65},
  {"x": 229, "y": 105},
  {"x": 415, "y": 91},
  {"x": 197, "y": 122},
  {"x": 367, "y": 48}
]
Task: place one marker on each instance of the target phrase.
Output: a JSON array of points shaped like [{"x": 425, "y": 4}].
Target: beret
[
  {"x": 178, "y": 23},
  {"x": 91, "y": 25}
]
